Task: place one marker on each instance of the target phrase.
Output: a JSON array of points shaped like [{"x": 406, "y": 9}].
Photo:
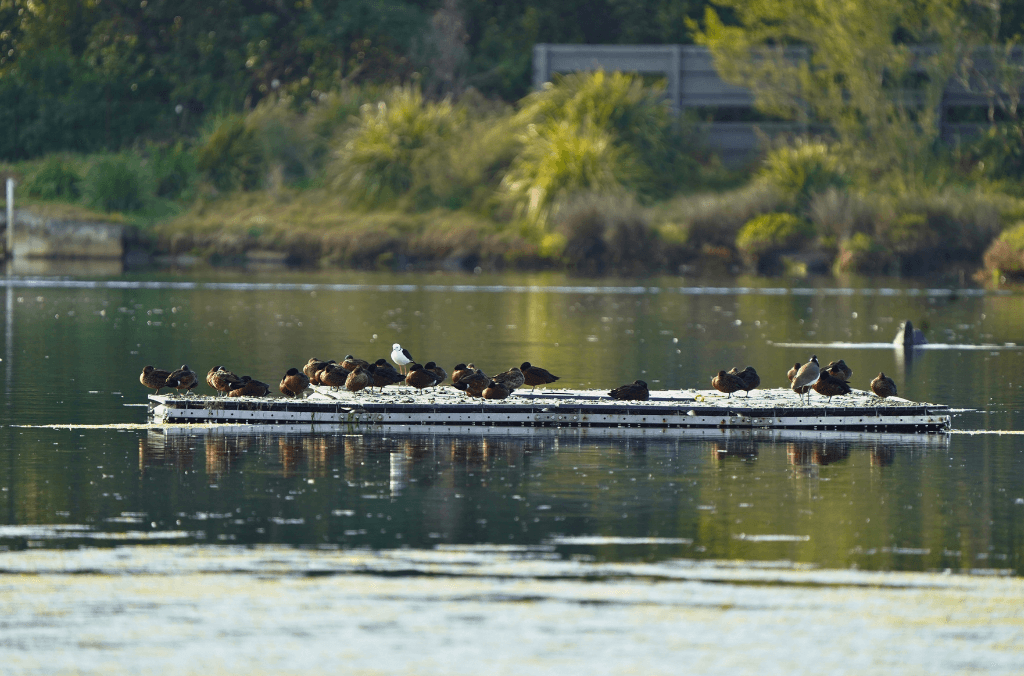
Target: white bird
[
  {"x": 401, "y": 357},
  {"x": 806, "y": 376}
]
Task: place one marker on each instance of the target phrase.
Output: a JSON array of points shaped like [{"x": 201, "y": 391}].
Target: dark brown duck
[
  {"x": 293, "y": 383},
  {"x": 535, "y": 375},
  {"x": 830, "y": 386},
  {"x": 635, "y": 391}
]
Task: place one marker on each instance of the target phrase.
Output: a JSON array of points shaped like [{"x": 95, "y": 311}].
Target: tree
[{"x": 874, "y": 71}]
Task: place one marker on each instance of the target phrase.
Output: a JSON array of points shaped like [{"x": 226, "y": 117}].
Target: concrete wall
[{"x": 40, "y": 237}]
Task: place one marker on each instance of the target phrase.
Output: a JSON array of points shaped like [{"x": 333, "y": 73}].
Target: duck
[
  {"x": 512, "y": 379},
  {"x": 749, "y": 376},
  {"x": 293, "y": 383},
  {"x": 350, "y": 363},
  {"x": 495, "y": 390},
  {"x": 401, "y": 357},
  {"x": 460, "y": 370},
  {"x": 183, "y": 379},
  {"x": 419, "y": 377},
  {"x": 635, "y": 391},
  {"x": 154, "y": 378},
  {"x": 473, "y": 383},
  {"x": 806, "y": 376},
  {"x": 792, "y": 372},
  {"x": 828, "y": 385},
  {"x": 883, "y": 386},
  {"x": 839, "y": 369},
  {"x": 333, "y": 375},
  {"x": 727, "y": 383},
  {"x": 250, "y": 388},
  {"x": 437, "y": 371},
  {"x": 385, "y": 374},
  {"x": 360, "y": 378},
  {"x": 535, "y": 375},
  {"x": 223, "y": 380},
  {"x": 313, "y": 367}
]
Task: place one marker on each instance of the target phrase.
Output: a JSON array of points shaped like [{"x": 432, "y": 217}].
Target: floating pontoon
[{"x": 666, "y": 409}]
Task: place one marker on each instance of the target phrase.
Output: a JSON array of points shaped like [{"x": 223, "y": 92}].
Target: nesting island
[{"x": 561, "y": 408}]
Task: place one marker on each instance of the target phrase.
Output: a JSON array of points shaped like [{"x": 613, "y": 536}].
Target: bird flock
[
  {"x": 355, "y": 375},
  {"x": 831, "y": 381}
]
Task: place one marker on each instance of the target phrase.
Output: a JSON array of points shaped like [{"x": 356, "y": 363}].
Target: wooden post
[{"x": 10, "y": 217}]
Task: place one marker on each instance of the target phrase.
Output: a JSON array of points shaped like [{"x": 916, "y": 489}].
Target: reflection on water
[{"x": 836, "y": 499}]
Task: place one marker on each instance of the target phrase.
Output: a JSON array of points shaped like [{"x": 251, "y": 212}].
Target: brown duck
[
  {"x": 223, "y": 380},
  {"x": 293, "y": 383},
  {"x": 749, "y": 376},
  {"x": 635, "y": 391},
  {"x": 459, "y": 371},
  {"x": 883, "y": 386},
  {"x": 350, "y": 363},
  {"x": 360, "y": 378},
  {"x": 839, "y": 369},
  {"x": 495, "y": 390},
  {"x": 313, "y": 367},
  {"x": 419, "y": 377},
  {"x": 385, "y": 374},
  {"x": 183, "y": 379},
  {"x": 727, "y": 383},
  {"x": 473, "y": 384},
  {"x": 535, "y": 375},
  {"x": 437, "y": 371},
  {"x": 154, "y": 378},
  {"x": 827, "y": 385},
  {"x": 512, "y": 379},
  {"x": 250, "y": 388},
  {"x": 791, "y": 373},
  {"x": 333, "y": 375}
]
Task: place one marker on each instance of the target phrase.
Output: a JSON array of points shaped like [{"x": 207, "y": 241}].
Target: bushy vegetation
[
  {"x": 1006, "y": 254},
  {"x": 763, "y": 238}
]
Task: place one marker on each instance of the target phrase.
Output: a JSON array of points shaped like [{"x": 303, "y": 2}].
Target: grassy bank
[{"x": 591, "y": 175}]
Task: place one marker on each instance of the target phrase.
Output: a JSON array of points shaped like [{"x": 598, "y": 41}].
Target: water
[{"x": 77, "y": 469}]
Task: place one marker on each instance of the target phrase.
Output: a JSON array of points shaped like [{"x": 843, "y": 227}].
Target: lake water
[{"x": 73, "y": 350}]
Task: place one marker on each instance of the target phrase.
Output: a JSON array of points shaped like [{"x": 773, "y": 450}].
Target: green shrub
[
  {"x": 378, "y": 160},
  {"x": 1006, "y": 253},
  {"x": 558, "y": 159},
  {"x": 712, "y": 220},
  {"x": 116, "y": 184},
  {"x": 618, "y": 110},
  {"x": 802, "y": 170},
  {"x": 861, "y": 253},
  {"x": 231, "y": 156},
  {"x": 765, "y": 236},
  {"x": 602, "y": 234},
  {"x": 173, "y": 168},
  {"x": 55, "y": 180}
]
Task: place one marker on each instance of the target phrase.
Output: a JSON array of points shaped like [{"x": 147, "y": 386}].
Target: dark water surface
[{"x": 73, "y": 350}]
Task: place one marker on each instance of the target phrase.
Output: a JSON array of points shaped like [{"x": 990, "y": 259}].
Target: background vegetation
[{"x": 394, "y": 133}]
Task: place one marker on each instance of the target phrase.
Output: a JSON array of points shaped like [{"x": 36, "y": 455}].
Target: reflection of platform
[{"x": 566, "y": 409}]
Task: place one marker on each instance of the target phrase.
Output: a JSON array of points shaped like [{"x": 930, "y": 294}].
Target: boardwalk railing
[{"x": 694, "y": 84}]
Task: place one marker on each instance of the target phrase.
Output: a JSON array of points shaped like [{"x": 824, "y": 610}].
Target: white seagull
[{"x": 400, "y": 356}]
